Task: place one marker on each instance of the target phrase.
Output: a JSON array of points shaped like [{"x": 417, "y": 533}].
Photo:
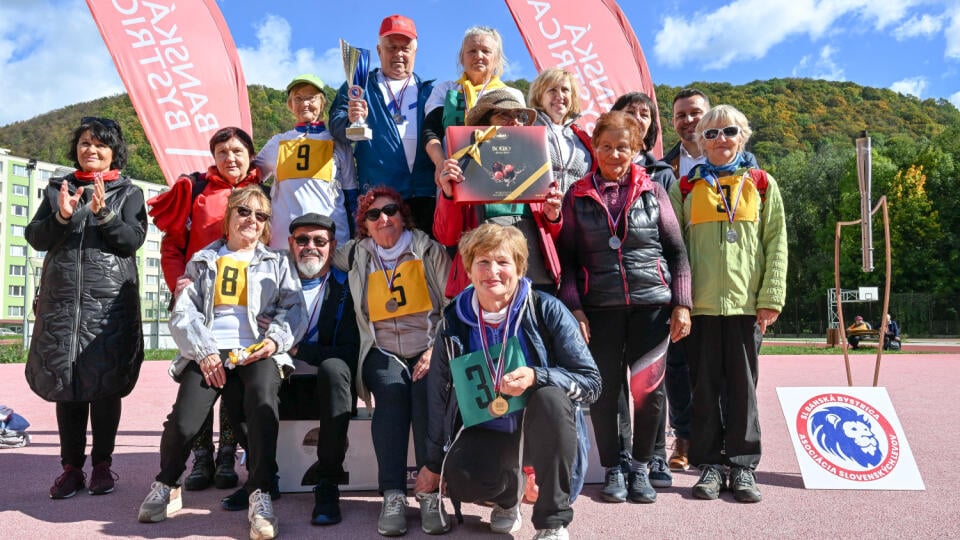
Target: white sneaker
[
  {"x": 393, "y": 514},
  {"x": 552, "y": 534},
  {"x": 505, "y": 520},
  {"x": 161, "y": 502},
  {"x": 263, "y": 524}
]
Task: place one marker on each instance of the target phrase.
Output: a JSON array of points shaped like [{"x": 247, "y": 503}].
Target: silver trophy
[{"x": 356, "y": 67}]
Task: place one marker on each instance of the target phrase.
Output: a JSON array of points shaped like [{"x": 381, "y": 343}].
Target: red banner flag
[
  {"x": 591, "y": 39},
  {"x": 181, "y": 69}
]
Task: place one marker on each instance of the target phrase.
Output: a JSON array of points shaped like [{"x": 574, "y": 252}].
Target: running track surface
[{"x": 922, "y": 387}]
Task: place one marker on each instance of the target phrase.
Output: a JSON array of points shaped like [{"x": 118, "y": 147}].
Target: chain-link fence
[{"x": 918, "y": 314}]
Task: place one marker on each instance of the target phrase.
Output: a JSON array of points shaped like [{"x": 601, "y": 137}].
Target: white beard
[{"x": 311, "y": 266}]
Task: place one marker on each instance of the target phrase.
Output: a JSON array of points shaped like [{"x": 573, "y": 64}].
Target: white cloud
[
  {"x": 952, "y": 33},
  {"x": 823, "y": 67},
  {"x": 913, "y": 86},
  {"x": 753, "y": 27},
  {"x": 273, "y": 64},
  {"x": 923, "y": 26},
  {"x": 955, "y": 99},
  {"x": 51, "y": 55}
]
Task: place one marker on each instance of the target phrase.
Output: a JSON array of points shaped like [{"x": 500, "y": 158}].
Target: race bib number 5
[{"x": 408, "y": 293}]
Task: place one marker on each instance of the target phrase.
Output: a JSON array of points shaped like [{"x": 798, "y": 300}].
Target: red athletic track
[{"x": 923, "y": 388}]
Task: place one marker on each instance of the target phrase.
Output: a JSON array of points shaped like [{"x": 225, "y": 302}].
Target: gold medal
[{"x": 498, "y": 407}]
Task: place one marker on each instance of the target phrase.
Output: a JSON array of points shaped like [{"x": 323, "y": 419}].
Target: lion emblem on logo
[{"x": 847, "y": 434}]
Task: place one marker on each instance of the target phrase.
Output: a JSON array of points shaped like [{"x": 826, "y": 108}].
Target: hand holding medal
[{"x": 517, "y": 381}]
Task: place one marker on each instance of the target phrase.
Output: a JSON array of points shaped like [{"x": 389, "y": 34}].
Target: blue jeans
[{"x": 399, "y": 402}]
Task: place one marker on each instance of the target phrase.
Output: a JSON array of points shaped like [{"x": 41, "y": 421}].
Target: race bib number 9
[
  {"x": 230, "y": 287},
  {"x": 305, "y": 158},
  {"x": 706, "y": 206},
  {"x": 474, "y": 387},
  {"x": 408, "y": 295}
]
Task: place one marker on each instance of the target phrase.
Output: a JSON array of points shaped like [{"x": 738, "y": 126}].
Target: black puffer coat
[{"x": 88, "y": 340}]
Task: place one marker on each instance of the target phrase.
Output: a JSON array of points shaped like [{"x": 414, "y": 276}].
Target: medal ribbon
[
  {"x": 316, "y": 306},
  {"x": 726, "y": 206},
  {"x": 610, "y": 221},
  {"x": 496, "y": 371},
  {"x": 394, "y": 100},
  {"x": 383, "y": 268}
]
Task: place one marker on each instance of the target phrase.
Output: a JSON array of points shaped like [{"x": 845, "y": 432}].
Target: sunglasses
[
  {"x": 519, "y": 116},
  {"x": 105, "y": 122},
  {"x": 304, "y": 240},
  {"x": 243, "y": 211},
  {"x": 728, "y": 132},
  {"x": 389, "y": 210}
]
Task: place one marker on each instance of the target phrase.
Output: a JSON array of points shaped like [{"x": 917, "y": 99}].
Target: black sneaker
[
  {"x": 660, "y": 476},
  {"x": 326, "y": 504},
  {"x": 639, "y": 488},
  {"x": 240, "y": 499},
  {"x": 710, "y": 484},
  {"x": 201, "y": 475},
  {"x": 614, "y": 486},
  {"x": 744, "y": 485},
  {"x": 225, "y": 476}
]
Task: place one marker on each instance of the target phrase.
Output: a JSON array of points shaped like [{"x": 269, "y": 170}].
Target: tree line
[{"x": 804, "y": 133}]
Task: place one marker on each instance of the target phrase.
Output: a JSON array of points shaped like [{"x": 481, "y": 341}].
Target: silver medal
[
  {"x": 614, "y": 242},
  {"x": 392, "y": 305},
  {"x": 732, "y": 236},
  {"x": 399, "y": 119}
]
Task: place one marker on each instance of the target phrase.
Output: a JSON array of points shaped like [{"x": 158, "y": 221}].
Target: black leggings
[{"x": 104, "y": 415}]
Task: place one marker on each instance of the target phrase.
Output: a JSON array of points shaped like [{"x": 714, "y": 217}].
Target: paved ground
[{"x": 923, "y": 388}]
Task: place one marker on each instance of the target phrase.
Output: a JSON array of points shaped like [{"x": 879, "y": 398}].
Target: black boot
[
  {"x": 226, "y": 477},
  {"x": 326, "y": 503},
  {"x": 201, "y": 476}
]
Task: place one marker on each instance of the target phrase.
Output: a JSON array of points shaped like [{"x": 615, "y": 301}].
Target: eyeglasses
[
  {"x": 728, "y": 132},
  {"x": 303, "y": 100},
  {"x": 105, "y": 122},
  {"x": 243, "y": 211},
  {"x": 519, "y": 116},
  {"x": 304, "y": 240},
  {"x": 389, "y": 210}
]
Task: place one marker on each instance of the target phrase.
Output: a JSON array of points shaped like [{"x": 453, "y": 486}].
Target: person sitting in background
[
  {"x": 891, "y": 336},
  {"x": 312, "y": 172},
  {"x": 854, "y": 331},
  {"x": 330, "y": 345}
]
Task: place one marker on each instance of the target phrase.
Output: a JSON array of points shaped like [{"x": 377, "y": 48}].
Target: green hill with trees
[{"x": 804, "y": 133}]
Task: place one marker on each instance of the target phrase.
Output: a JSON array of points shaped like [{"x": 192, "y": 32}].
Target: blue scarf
[
  {"x": 310, "y": 283},
  {"x": 711, "y": 172}
]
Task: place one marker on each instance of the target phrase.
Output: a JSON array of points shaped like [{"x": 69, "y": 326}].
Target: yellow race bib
[
  {"x": 230, "y": 287},
  {"x": 706, "y": 205},
  {"x": 305, "y": 158},
  {"x": 408, "y": 295}
]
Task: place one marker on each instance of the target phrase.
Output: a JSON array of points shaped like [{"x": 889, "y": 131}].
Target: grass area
[
  {"x": 822, "y": 349},
  {"x": 14, "y": 354}
]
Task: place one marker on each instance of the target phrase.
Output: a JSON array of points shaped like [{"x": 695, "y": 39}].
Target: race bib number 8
[
  {"x": 230, "y": 287},
  {"x": 474, "y": 387},
  {"x": 305, "y": 158},
  {"x": 706, "y": 206},
  {"x": 408, "y": 295}
]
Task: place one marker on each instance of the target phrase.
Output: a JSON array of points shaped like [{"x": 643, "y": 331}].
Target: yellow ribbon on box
[
  {"x": 526, "y": 183},
  {"x": 473, "y": 150}
]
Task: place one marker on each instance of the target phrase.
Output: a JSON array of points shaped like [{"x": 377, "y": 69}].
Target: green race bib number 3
[{"x": 474, "y": 387}]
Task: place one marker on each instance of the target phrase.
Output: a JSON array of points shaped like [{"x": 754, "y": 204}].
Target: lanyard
[
  {"x": 731, "y": 212},
  {"x": 314, "y": 329},
  {"x": 496, "y": 371},
  {"x": 395, "y": 101},
  {"x": 611, "y": 221},
  {"x": 383, "y": 268}
]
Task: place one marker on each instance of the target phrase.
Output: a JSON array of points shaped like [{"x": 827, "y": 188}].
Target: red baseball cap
[{"x": 398, "y": 24}]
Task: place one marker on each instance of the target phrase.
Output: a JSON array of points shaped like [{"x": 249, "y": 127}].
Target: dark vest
[{"x": 637, "y": 274}]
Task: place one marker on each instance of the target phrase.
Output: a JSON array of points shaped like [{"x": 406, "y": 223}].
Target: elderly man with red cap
[{"x": 393, "y": 105}]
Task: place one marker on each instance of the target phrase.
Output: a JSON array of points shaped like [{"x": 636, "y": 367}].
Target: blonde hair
[
  {"x": 239, "y": 198},
  {"x": 490, "y": 237},
  {"x": 554, "y": 77},
  {"x": 722, "y": 116}
]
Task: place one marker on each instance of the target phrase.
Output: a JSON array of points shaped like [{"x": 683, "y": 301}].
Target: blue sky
[{"x": 910, "y": 46}]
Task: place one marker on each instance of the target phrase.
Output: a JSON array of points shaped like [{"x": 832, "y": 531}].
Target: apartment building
[{"x": 22, "y": 181}]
